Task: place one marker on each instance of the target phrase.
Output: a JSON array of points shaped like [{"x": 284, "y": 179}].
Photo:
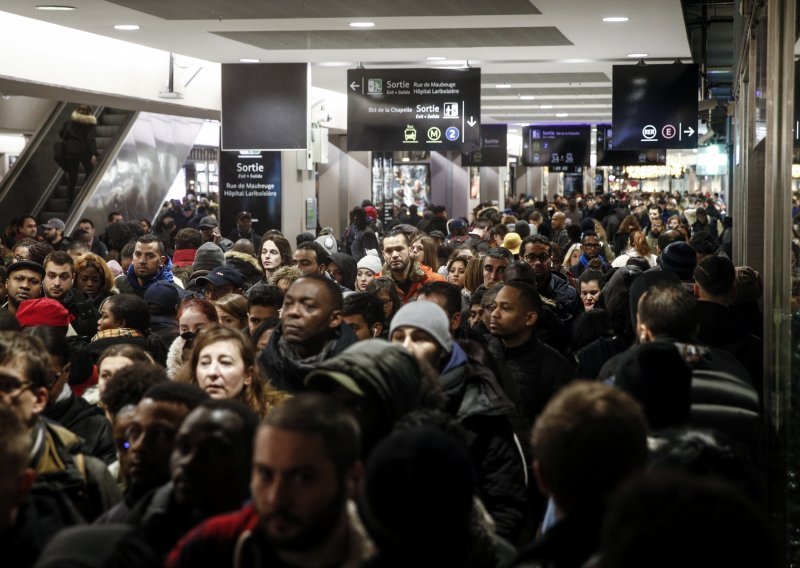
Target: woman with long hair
[
  {"x": 232, "y": 311},
  {"x": 628, "y": 225},
  {"x": 637, "y": 247},
  {"x": 275, "y": 252},
  {"x": 385, "y": 290},
  {"x": 423, "y": 249},
  {"x": 223, "y": 363}
]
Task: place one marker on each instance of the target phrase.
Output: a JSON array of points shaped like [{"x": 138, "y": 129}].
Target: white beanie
[
  {"x": 370, "y": 262},
  {"x": 427, "y": 316}
]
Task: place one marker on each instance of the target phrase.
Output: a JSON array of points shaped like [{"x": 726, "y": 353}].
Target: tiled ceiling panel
[
  {"x": 272, "y": 9},
  {"x": 402, "y": 39}
]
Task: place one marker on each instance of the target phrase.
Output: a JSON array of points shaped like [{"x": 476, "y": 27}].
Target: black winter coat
[
  {"x": 479, "y": 404},
  {"x": 537, "y": 369},
  {"x": 89, "y": 423}
]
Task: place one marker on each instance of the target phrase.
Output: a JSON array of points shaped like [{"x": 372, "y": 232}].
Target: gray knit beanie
[
  {"x": 428, "y": 317},
  {"x": 208, "y": 257}
]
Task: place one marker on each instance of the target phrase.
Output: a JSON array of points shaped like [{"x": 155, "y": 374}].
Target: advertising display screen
[
  {"x": 556, "y": 145},
  {"x": 655, "y": 106},
  {"x": 608, "y": 155},
  {"x": 413, "y": 109},
  {"x": 493, "y": 150}
]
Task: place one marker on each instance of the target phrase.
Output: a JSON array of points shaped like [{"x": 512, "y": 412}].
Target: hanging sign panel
[
  {"x": 493, "y": 150},
  {"x": 413, "y": 109},
  {"x": 608, "y": 155},
  {"x": 556, "y": 145},
  {"x": 250, "y": 181},
  {"x": 655, "y": 106}
]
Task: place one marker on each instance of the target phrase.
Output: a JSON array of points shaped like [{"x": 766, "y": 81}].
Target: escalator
[
  {"x": 111, "y": 123},
  {"x": 36, "y": 185}
]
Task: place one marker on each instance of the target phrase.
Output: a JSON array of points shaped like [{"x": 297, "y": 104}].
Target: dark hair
[
  {"x": 704, "y": 242},
  {"x": 668, "y": 237},
  {"x": 55, "y": 340},
  {"x": 176, "y": 392},
  {"x": 265, "y": 325},
  {"x": 247, "y": 418},
  {"x": 127, "y": 250},
  {"x": 386, "y": 284},
  {"x": 131, "y": 309},
  {"x": 396, "y": 233},
  {"x": 320, "y": 415},
  {"x": 129, "y": 385},
  {"x": 86, "y": 220},
  {"x": 188, "y": 238},
  {"x": 588, "y": 234},
  {"x": 114, "y": 214},
  {"x": 333, "y": 289},
  {"x": 150, "y": 239},
  {"x": 537, "y": 239},
  {"x": 528, "y": 294},
  {"x": 590, "y": 276},
  {"x": 450, "y": 293},
  {"x": 482, "y": 223},
  {"x": 520, "y": 270},
  {"x": 666, "y": 308},
  {"x": 26, "y": 351},
  {"x": 59, "y": 258},
  {"x": 589, "y": 326},
  {"x": 283, "y": 246},
  {"x": 716, "y": 275},
  {"x": 15, "y": 444},
  {"x": 319, "y": 251},
  {"x": 263, "y": 294},
  {"x": 499, "y": 253},
  {"x": 364, "y": 304}
]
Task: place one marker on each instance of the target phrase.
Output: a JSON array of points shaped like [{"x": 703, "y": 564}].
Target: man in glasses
[
  {"x": 61, "y": 468},
  {"x": 590, "y": 249},
  {"x": 537, "y": 252}
]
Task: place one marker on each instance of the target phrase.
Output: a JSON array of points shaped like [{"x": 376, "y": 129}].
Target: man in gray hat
[
  {"x": 209, "y": 227},
  {"x": 54, "y": 234}
]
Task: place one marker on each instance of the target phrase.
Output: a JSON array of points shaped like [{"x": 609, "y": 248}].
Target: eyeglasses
[
  {"x": 591, "y": 245},
  {"x": 544, "y": 257},
  {"x": 12, "y": 386}
]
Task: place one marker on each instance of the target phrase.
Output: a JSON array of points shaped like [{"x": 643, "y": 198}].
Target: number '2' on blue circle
[{"x": 452, "y": 133}]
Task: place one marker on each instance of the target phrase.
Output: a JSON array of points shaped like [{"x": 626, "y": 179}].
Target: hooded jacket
[
  {"x": 247, "y": 266},
  {"x": 79, "y": 134},
  {"x": 128, "y": 283},
  {"x": 288, "y": 374},
  {"x": 347, "y": 264},
  {"x": 389, "y": 377},
  {"x": 480, "y": 405}
]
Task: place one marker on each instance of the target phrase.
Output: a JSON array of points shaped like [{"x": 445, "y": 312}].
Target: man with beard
[
  {"x": 537, "y": 252},
  {"x": 150, "y": 265},
  {"x": 59, "y": 275},
  {"x": 409, "y": 275},
  {"x": 305, "y": 469}
]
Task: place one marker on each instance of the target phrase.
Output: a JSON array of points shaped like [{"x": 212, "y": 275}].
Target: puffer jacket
[
  {"x": 247, "y": 265},
  {"x": 479, "y": 404}
]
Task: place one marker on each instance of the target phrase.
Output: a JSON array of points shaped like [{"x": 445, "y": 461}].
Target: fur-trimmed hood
[
  {"x": 81, "y": 118},
  {"x": 244, "y": 257}
]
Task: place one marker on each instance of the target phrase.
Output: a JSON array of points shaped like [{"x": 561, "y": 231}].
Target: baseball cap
[
  {"x": 54, "y": 224},
  {"x": 221, "y": 276},
  {"x": 208, "y": 222}
]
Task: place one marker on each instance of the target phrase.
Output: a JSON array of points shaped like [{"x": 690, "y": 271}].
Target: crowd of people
[{"x": 566, "y": 383}]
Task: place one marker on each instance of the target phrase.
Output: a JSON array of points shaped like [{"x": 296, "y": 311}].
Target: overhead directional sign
[
  {"x": 493, "y": 150},
  {"x": 608, "y": 155},
  {"x": 556, "y": 145},
  {"x": 413, "y": 109},
  {"x": 655, "y": 106}
]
